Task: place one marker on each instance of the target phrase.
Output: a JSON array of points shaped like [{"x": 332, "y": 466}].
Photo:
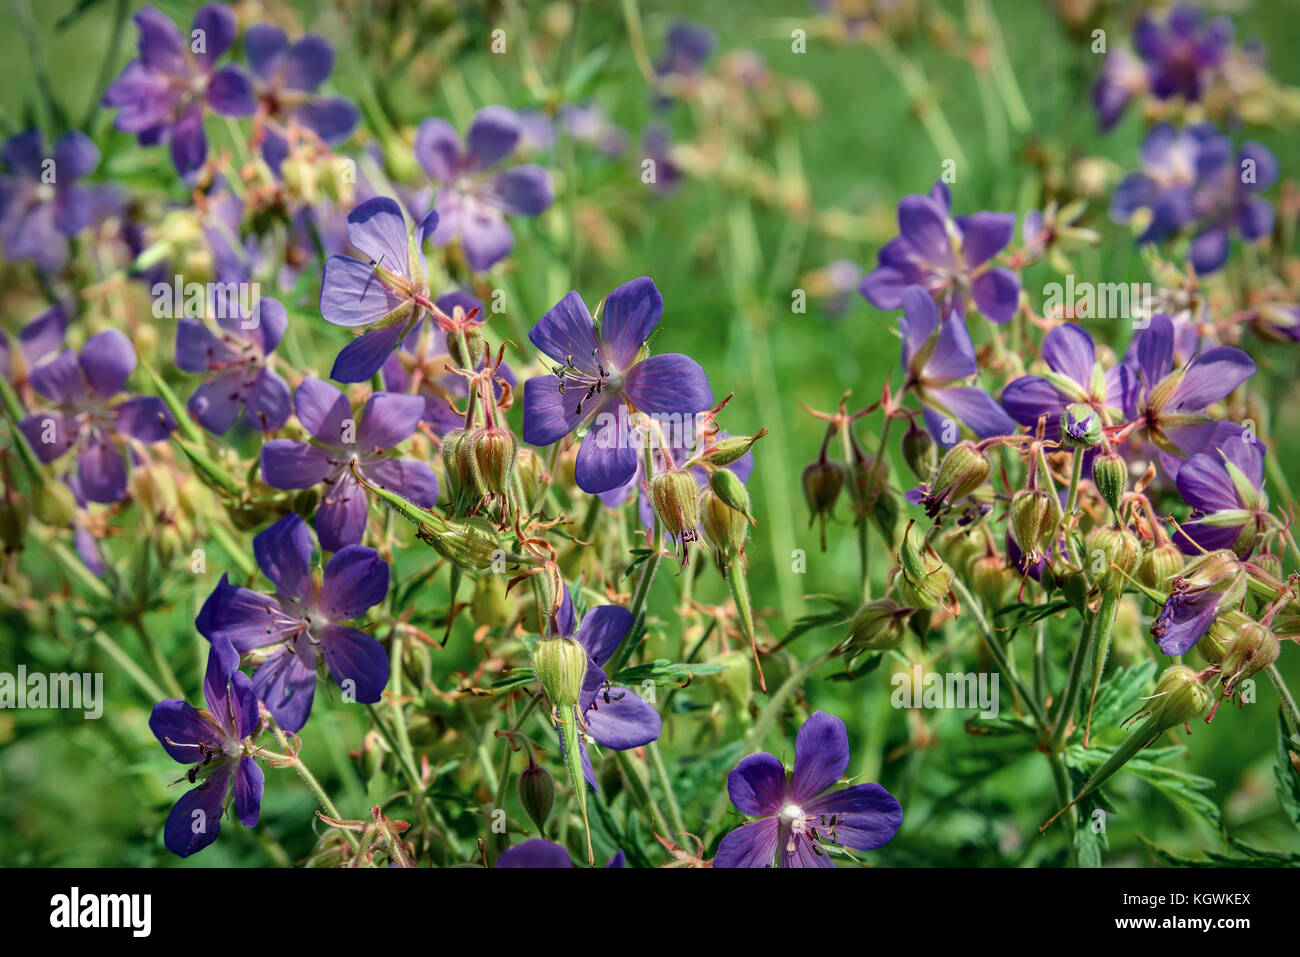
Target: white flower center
[{"x": 792, "y": 816}]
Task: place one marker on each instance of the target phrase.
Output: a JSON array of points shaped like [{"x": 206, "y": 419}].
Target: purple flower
[
  {"x": 948, "y": 257},
  {"x": 286, "y": 77},
  {"x": 1172, "y": 403},
  {"x": 216, "y": 742},
  {"x": 39, "y": 339},
  {"x": 1181, "y": 51},
  {"x": 303, "y": 620},
  {"x": 1207, "y": 587},
  {"x": 1123, "y": 76},
  {"x": 1073, "y": 376},
  {"x": 537, "y": 852},
  {"x": 600, "y": 378},
  {"x": 237, "y": 355},
  {"x": 41, "y": 202},
  {"x": 425, "y": 356},
  {"x": 473, "y": 196},
  {"x": 85, "y": 417},
  {"x": 1226, "y": 200},
  {"x": 615, "y": 718},
  {"x": 343, "y": 450},
  {"x": 587, "y": 123},
  {"x": 688, "y": 48},
  {"x": 161, "y": 94},
  {"x": 938, "y": 361},
  {"x": 389, "y": 292},
  {"x": 798, "y": 816},
  {"x": 1170, "y": 166},
  {"x": 656, "y": 145},
  {"x": 1224, "y": 487}
]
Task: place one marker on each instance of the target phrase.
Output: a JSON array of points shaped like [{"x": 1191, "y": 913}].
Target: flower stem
[
  {"x": 665, "y": 782},
  {"x": 309, "y": 779},
  {"x": 999, "y": 653},
  {"x": 1288, "y": 700}
]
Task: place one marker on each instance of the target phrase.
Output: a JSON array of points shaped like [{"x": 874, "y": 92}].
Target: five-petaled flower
[
  {"x": 161, "y": 94},
  {"x": 948, "y": 256},
  {"x": 1224, "y": 487},
  {"x": 601, "y": 376},
  {"x": 42, "y": 203},
  {"x": 237, "y": 354},
  {"x": 217, "y": 743},
  {"x": 346, "y": 455},
  {"x": 86, "y": 418},
  {"x": 798, "y": 816},
  {"x": 473, "y": 197},
  {"x": 302, "y": 621}
]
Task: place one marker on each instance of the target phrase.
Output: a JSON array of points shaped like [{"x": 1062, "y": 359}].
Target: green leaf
[
  {"x": 663, "y": 673},
  {"x": 1120, "y": 696},
  {"x": 1017, "y": 616}
]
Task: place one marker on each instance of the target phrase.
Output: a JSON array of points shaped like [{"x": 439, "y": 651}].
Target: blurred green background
[{"x": 95, "y": 793}]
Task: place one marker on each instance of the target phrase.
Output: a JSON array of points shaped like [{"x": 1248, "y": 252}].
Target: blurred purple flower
[
  {"x": 656, "y": 145},
  {"x": 85, "y": 418},
  {"x": 238, "y": 355},
  {"x": 473, "y": 197},
  {"x": 1123, "y": 76},
  {"x": 41, "y": 202},
  {"x": 216, "y": 742},
  {"x": 1226, "y": 200},
  {"x": 40, "y": 338},
  {"x": 343, "y": 448},
  {"x": 1181, "y": 50},
  {"x": 161, "y": 95},
  {"x": 302, "y": 621},
  {"x": 286, "y": 77},
  {"x": 600, "y": 378},
  {"x": 938, "y": 363},
  {"x": 1170, "y": 162},
  {"x": 537, "y": 852},
  {"x": 798, "y": 816},
  {"x": 948, "y": 257}
]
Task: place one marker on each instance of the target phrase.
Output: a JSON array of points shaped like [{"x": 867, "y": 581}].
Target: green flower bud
[
  {"x": 991, "y": 580},
  {"x": 560, "y": 664},
  {"x": 962, "y": 471},
  {"x": 822, "y": 483},
  {"x": 537, "y": 794},
  {"x": 14, "y": 511},
  {"x": 477, "y": 349},
  {"x": 1080, "y": 426},
  {"x": 727, "y": 485},
  {"x": 879, "y": 625},
  {"x": 54, "y": 504},
  {"x": 919, "y": 451},
  {"x": 924, "y": 579},
  {"x": 725, "y": 529},
  {"x": 1075, "y": 587},
  {"x": 1240, "y": 646},
  {"x": 1158, "y": 565},
  {"x": 1110, "y": 476},
  {"x": 492, "y": 460},
  {"x": 1110, "y": 549},
  {"x": 1180, "y": 697},
  {"x": 1035, "y": 517},
  {"x": 675, "y": 495},
  {"x": 730, "y": 450},
  {"x": 472, "y": 545}
]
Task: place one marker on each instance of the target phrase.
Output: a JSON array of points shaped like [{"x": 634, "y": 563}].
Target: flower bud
[
  {"x": 727, "y": 485},
  {"x": 724, "y": 528},
  {"x": 822, "y": 483},
  {"x": 472, "y": 545},
  {"x": 492, "y": 459},
  {"x": 1110, "y": 549},
  {"x": 1180, "y": 696},
  {"x": 532, "y": 472},
  {"x": 962, "y": 471},
  {"x": 676, "y": 498},
  {"x": 560, "y": 664},
  {"x": 919, "y": 451},
  {"x": 14, "y": 511},
  {"x": 537, "y": 794},
  {"x": 477, "y": 348},
  {"x": 990, "y": 580},
  {"x": 1080, "y": 426},
  {"x": 1110, "y": 476},
  {"x": 1240, "y": 646},
  {"x": 490, "y": 605},
  {"x": 924, "y": 579},
  {"x": 54, "y": 504},
  {"x": 1158, "y": 565},
  {"x": 1035, "y": 517},
  {"x": 879, "y": 625},
  {"x": 458, "y": 466},
  {"x": 730, "y": 450}
]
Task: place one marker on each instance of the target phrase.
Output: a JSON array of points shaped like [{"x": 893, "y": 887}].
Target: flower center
[
  {"x": 792, "y": 816},
  {"x": 596, "y": 384}
]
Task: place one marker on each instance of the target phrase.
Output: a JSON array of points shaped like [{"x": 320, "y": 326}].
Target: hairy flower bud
[
  {"x": 1080, "y": 426},
  {"x": 878, "y": 625},
  {"x": 472, "y": 544},
  {"x": 1158, "y": 565},
  {"x": 537, "y": 794},
  {"x": 1110, "y": 552},
  {"x": 1110, "y": 476},
  {"x": 1180, "y": 696},
  {"x": 492, "y": 459},
  {"x": 823, "y": 481},
  {"x": 724, "y": 528},
  {"x": 731, "y": 450},
  {"x": 675, "y": 495},
  {"x": 1035, "y": 517},
  {"x": 457, "y": 461},
  {"x": 560, "y": 664},
  {"x": 924, "y": 579},
  {"x": 532, "y": 473},
  {"x": 919, "y": 451},
  {"x": 962, "y": 471},
  {"x": 1240, "y": 646}
]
